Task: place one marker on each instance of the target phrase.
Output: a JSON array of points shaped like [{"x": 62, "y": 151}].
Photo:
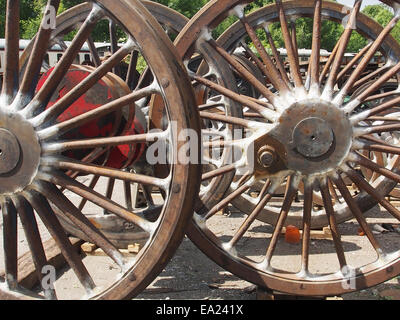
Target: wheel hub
[
  {"x": 19, "y": 153},
  {"x": 314, "y": 137}
]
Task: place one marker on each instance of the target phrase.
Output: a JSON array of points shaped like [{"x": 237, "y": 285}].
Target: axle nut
[{"x": 266, "y": 158}]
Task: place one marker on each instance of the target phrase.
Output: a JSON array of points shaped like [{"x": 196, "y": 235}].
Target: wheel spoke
[
  {"x": 40, "y": 47},
  {"x": 371, "y": 89},
  {"x": 96, "y": 198},
  {"x": 80, "y": 220},
  {"x": 11, "y": 72},
  {"x": 226, "y": 119},
  {"x": 316, "y": 45},
  {"x": 218, "y": 172},
  {"x": 276, "y": 55},
  {"x": 355, "y": 209},
  {"x": 54, "y": 227},
  {"x": 293, "y": 61},
  {"x": 290, "y": 194},
  {"x": 330, "y": 212},
  {"x": 225, "y": 202},
  {"x": 269, "y": 70},
  {"x": 93, "y": 52},
  {"x": 353, "y": 61},
  {"x": 61, "y": 105},
  {"x": 102, "y": 142},
  {"x": 364, "y": 185},
  {"x": 114, "y": 44},
  {"x": 132, "y": 76},
  {"x": 92, "y": 185},
  {"x": 344, "y": 41},
  {"x": 48, "y": 88},
  {"x": 10, "y": 243},
  {"x": 251, "y": 217},
  {"x": 104, "y": 110},
  {"x": 307, "y": 211},
  {"x": 32, "y": 235},
  {"x": 266, "y": 113},
  {"x": 366, "y": 59},
  {"x": 244, "y": 72},
  {"x": 105, "y": 172},
  {"x": 375, "y": 110}
]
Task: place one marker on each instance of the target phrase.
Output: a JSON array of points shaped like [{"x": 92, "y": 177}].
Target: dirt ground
[{"x": 191, "y": 275}]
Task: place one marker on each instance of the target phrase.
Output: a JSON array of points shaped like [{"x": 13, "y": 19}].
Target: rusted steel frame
[
  {"x": 31, "y": 75},
  {"x": 368, "y": 56},
  {"x": 98, "y": 199},
  {"x": 34, "y": 240},
  {"x": 226, "y": 119},
  {"x": 77, "y": 121},
  {"x": 251, "y": 217},
  {"x": 364, "y": 185},
  {"x": 11, "y": 54},
  {"x": 93, "y": 183},
  {"x": 236, "y": 97},
  {"x": 105, "y": 172},
  {"x": 79, "y": 220},
  {"x": 217, "y": 172},
  {"x": 269, "y": 70},
  {"x": 243, "y": 71},
  {"x": 353, "y": 61},
  {"x": 371, "y": 76},
  {"x": 290, "y": 194},
  {"x": 61, "y": 68},
  {"x": 330, "y": 212},
  {"x": 292, "y": 56},
  {"x": 61, "y": 105},
  {"x": 343, "y": 42},
  {"x": 316, "y": 44},
  {"x": 276, "y": 55},
  {"x": 10, "y": 243},
  {"x": 93, "y": 51},
  {"x": 378, "y": 83},
  {"x": 382, "y": 95},
  {"x": 225, "y": 202},
  {"x": 307, "y": 212},
  {"x": 355, "y": 209},
  {"x": 100, "y": 142},
  {"x": 54, "y": 227}
]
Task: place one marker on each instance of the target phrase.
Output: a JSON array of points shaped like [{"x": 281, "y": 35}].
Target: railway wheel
[
  {"x": 37, "y": 168},
  {"x": 311, "y": 134}
]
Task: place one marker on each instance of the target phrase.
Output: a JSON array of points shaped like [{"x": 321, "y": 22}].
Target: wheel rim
[
  {"x": 273, "y": 161},
  {"x": 38, "y": 183}
]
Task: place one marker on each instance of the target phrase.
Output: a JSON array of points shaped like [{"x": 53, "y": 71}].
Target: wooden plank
[{"x": 27, "y": 276}]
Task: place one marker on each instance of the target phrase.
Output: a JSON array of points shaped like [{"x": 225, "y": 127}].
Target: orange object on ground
[{"x": 292, "y": 235}]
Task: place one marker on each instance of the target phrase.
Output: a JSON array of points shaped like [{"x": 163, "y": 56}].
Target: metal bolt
[{"x": 267, "y": 158}]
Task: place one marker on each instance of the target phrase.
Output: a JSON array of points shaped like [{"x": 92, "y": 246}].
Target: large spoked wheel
[
  {"x": 41, "y": 136},
  {"x": 302, "y": 131}
]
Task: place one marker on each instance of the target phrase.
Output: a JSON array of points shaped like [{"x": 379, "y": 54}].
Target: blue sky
[{"x": 365, "y": 2}]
